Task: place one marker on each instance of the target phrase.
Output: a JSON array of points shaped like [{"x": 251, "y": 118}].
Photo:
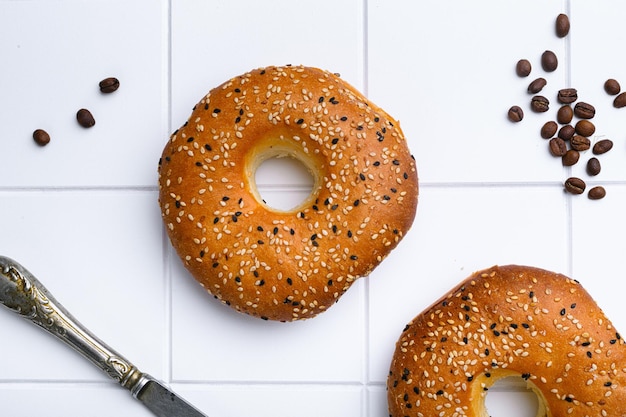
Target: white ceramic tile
[
  {"x": 55, "y": 53},
  {"x": 598, "y": 233},
  {"x": 213, "y": 41},
  {"x": 62, "y": 400},
  {"x": 460, "y": 230},
  {"x": 438, "y": 68},
  {"x": 100, "y": 254},
  {"x": 277, "y": 400},
  {"x": 212, "y": 342}
]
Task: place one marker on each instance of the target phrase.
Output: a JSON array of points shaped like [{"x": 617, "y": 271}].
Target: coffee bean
[
  {"x": 548, "y": 129},
  {"x": 612, "y": 87},
  {"x": 565, "y": 114},
  {"x": 523, "y": 68},
  {"x": 593, "y": 166},
  {"x": 570, "y": 158},
  {"x": 584, "y": 110},
  {"x": 580, "y": 143},
  {"x": 596, "y": 193},
  {"x": 585, "y": 128},
  {"x": 109, "y": 85},
  {"x": 549, "y": 61},
  {"x": 539, "y": 104},
  {"x": 566, "y": 132},
  {"x": 620, "y": 101},
  {"x": 567, "y": 95},
  {"x": 562, "y": 25},
  {"x": 516, "y": 114},
  {"x": 537, "y": 85},
  {"x": 602, "y": 146},
  {"x": 557, "y": 147},
  {"x": 575, "y": 185},
  {"x": 85, "y": 118},
  {"x": 41, "y": 137}
]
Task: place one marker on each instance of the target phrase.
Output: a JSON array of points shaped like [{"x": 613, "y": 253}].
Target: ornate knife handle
[{"x": 22, "y": 293}]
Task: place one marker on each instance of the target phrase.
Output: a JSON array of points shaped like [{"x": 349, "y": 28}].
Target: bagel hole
[
  {"x": 283, "y": 182},
  {"x": 511, "y": 397}
]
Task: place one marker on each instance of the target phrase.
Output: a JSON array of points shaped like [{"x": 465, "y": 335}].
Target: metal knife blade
[
  {"x": 161, "y": 401},
  {"x": 23, "y": 294}
]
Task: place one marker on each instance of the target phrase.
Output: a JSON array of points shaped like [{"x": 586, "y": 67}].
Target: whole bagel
[
  {"x": 293, "y": 264},
  {"x": 510, "y": 321}
]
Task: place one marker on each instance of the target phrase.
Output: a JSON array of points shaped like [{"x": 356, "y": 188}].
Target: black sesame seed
[
  {"x": 573, "y": 305},
  {"x": 526, "y": 325},
  {"x": 215, "y": 220},
  {"x": 215, "y": 264},
  {"x": 330, "y": 283},
  {"x": 234, "y": 218},
  {"x": 255, "y": 273},
  {"x": 237, "y": 279},
  {"x": 531, "y": 294},
  {"x": 260, "y": 242},
  {"x": 238, "y": 119},
  {"x": 208, "y": 147},
  {"x": 198, "y": 164},
  {"x": 289, "y": 281},
  {"x": 487, "y": 374},
  {"x": 386, "y": 197},
  {"x": 354, "y": 257},
  {"x": 585, "y": 343},
  {"x": 237, "y": 90},
  {"x": 275, "y": 231},
  {"x": 470, "y": 378},
  {"x": 343, "y": 119},
  {"x": 190, "y": 139},
  {"x": 362, "y": 177},
  {"x": 562, "y": 312},
  {"x": 225, "y": 198},
  {"x": 177, "y": 204},
  {"x": 206, "y": 106},
  {"x": 493, "y": 326},
  {"x": 314, "y": 236},
  {"x": 202, "y": 253},
  {"x": 259, "y": 228},
  {"x": 349, "y": 233},
  {"x": 334, "y": 141},
  {"x": 376, "y": 163},
  {"x": 525, "y": 375},
  {"x": 292, "y": 232},
  {"x": 589, "y": 354},
  {"x": 569, "y": 399},
  {"x": 416, "y": 390},
  {"x": 440, "y": 392},
  {"x": 216, "y": 110},
  {"x": 299, "y": 121},
  {"x": 334, "y": 206},
  {"x": 396, "y": 162},
  {"x": 261, "y": 283},
  {"x": 320, "y": 100},
  {"x": 356, "y": 203}
]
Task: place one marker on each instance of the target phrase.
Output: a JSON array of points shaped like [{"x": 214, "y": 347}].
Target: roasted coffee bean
[
  {"x": 585, "y": 128},
  {"x": 549, "y": 61},
  {"x": 565, "y": 114},
  {"x": 562, "y": 25},
  {"x": 580, "y": 143},
  {"x": 537, "y": 85},
  {"x": 539, "y": 104},
  {"x": 602, "y": 146},
  {"x": 557, "y": 147},
  {"x": 567, "y": 95},
  {"x": 596, "y": 193},
  {"x": 575, "y": 185},
  {"x": 566, "y": 132},
  {"x": 620, "y": 101},
  {"x": 109, "y": 85},
  {"x": 548, "y": 129},
  {"x": 516, "y": 114},
  {"x": 523, "y": 68},
  {"x": 612, "y": 87},
  {"x": 584, "y": 110},
  {"x": 85, "y": 118},
  {"x": 570, "y": 158},
  {"x": 41, "y": 137},
  {"x": 593, "y": 166}
]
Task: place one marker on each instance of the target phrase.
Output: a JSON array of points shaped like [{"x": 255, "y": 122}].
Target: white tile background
[{"x": 81, "y": 213}]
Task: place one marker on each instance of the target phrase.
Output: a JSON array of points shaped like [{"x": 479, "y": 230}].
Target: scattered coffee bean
[
  {"x": 562, "y": 25},
  {"x": 85, "y": 118},
  {"x": 537, "y": 85},
  {"x": 516, "y": 114},
  {"x": 584, "y": 110},
  {"x": 523, "y": 68},
  {"x": 109, "y": 85},
  {"x": 539, "y": 104},
  {"x": 570, "y": 158},
  {"x": 41, "y": 137},
  {"x": 548, "y": 130},
  {"x": 567, "y": 95},
  {"x": 575, "y": 185},
  {"x": 612, "y": 87},
  {"x": 596, "y": 193},
  {"x": 565, "y": 114},
  {"x": 580, "y": 143},
  {"x": 620, "y": 101},
  {"x": 593, "y": 166},
  {"x": 566, "y": 132},
  {"x": 549, "y": 61},
  {"x": 585, "y": 128},
  {"x": 557, "y": 147},
  {"x": 602, "y": 146}
]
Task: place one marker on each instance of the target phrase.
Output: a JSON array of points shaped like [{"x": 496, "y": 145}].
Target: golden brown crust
[
  {"x": 507, "y": 321},
  {"x": 294, "y": 264}
]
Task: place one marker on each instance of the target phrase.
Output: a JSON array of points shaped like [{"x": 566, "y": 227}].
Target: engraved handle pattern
[{"x": 22, "y": 293}]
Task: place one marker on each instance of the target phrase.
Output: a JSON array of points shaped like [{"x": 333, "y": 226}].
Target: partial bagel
[
  {"x": 510, "y": 321},
  {"x": 293, "y": 264}
]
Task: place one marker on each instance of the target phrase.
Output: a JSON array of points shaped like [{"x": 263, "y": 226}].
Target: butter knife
[{"x": 22, "y": 293}]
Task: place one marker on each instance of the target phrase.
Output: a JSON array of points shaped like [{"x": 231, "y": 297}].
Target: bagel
[
  {"x": 276, "y": 264},
  {"x": 510, "y": 321}
]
